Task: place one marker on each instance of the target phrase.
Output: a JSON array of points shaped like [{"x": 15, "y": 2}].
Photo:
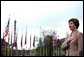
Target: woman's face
[{"x": 71, "y": 25}]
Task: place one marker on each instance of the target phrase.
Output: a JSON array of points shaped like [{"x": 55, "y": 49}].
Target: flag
[
  {"x": 16, "y": 39},
  {"x": 15, "y": 42},
  {"x": 54, "y": 41},
  {"x": 34, "y": 41},
  {"x": 6, "y": 30},
  {"x": 21, "y": 40},
  {"x": 8, "y": 38},
  {"x": 26, "y": 38},
  {"x": 3, "y": 41},
  {"x": 43, "y": 40},
  {"x": 30, "y": 41}
]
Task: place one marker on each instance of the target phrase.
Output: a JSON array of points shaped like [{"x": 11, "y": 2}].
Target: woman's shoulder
[{"x": 80, "y": 33}]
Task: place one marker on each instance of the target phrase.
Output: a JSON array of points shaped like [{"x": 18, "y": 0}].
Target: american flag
[
  {"x": 43, "y": 40},
  {"x": 6, "y": 29}
]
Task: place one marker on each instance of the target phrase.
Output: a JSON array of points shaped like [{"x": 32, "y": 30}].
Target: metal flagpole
[
  {"x": 46, "y": 51},
  {"x": 21, "y": 44},
  {"x": 34, "y": 44},
  {"x": 40, "y": 47},
  {"x": 15, "y": 40},
  {"x": 40, "y": 41},
  {"x": 8, "y": 44},
  {"x": 26, "y": 51},
  {"x": 30, "y": 44},
  {"x": 43, "y": 50},
  {"x": 16, "y": 44},
  {"x": 11, "y": 44},
  {"x": 34, "y": 51},
  {"x": 26, "y": 36}
]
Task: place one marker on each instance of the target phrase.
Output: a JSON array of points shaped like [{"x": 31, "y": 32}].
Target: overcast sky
[{"x": 45, "y": 14}]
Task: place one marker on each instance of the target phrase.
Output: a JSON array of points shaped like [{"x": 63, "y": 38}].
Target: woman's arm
[
  {"x": 80, "y": 44},
  {"x": 65, "y": 44}
]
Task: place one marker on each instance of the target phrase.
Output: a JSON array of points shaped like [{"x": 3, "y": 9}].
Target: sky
[{"x": 49, "y": 15}]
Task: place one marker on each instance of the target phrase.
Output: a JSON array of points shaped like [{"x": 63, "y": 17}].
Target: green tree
[{"x": 46, "y": 49}]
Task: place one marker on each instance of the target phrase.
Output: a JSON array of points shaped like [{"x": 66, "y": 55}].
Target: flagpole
[
  {"x": 21, "y": 43},
  {"x": 16, "y": 44},
  {"x": 30, "y": 43},
  {"x": 4, "y": 44},
  {"x": 34, "y": 43},
  {"x": 26, "y": 53},
  {"x": 40, "y": 47},
  {"x": 5, "y": 34},
  {"x": 40, "y": 40},
  {"x": 22, "y": 51},
  {"x": 34, "y": 52},
  {"x": 6, "y": 49},
  {"x": 9, "y": 40},
  {"x": 15, "y": 40},
  {"x": 46, "y": 50},
  {"x": 11, "y": 44},
  {"x": 43, "y": 52},
  {"x": 43, "y": 43},
  {"x": 8, "y": 45},
  {"x": 25, "y": 40}
]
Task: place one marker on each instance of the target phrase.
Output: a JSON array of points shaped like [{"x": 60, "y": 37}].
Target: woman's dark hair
[{"x": 75, "y": 21}]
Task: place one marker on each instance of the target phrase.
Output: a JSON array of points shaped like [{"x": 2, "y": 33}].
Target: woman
[{"x": 73, "y": 44}]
